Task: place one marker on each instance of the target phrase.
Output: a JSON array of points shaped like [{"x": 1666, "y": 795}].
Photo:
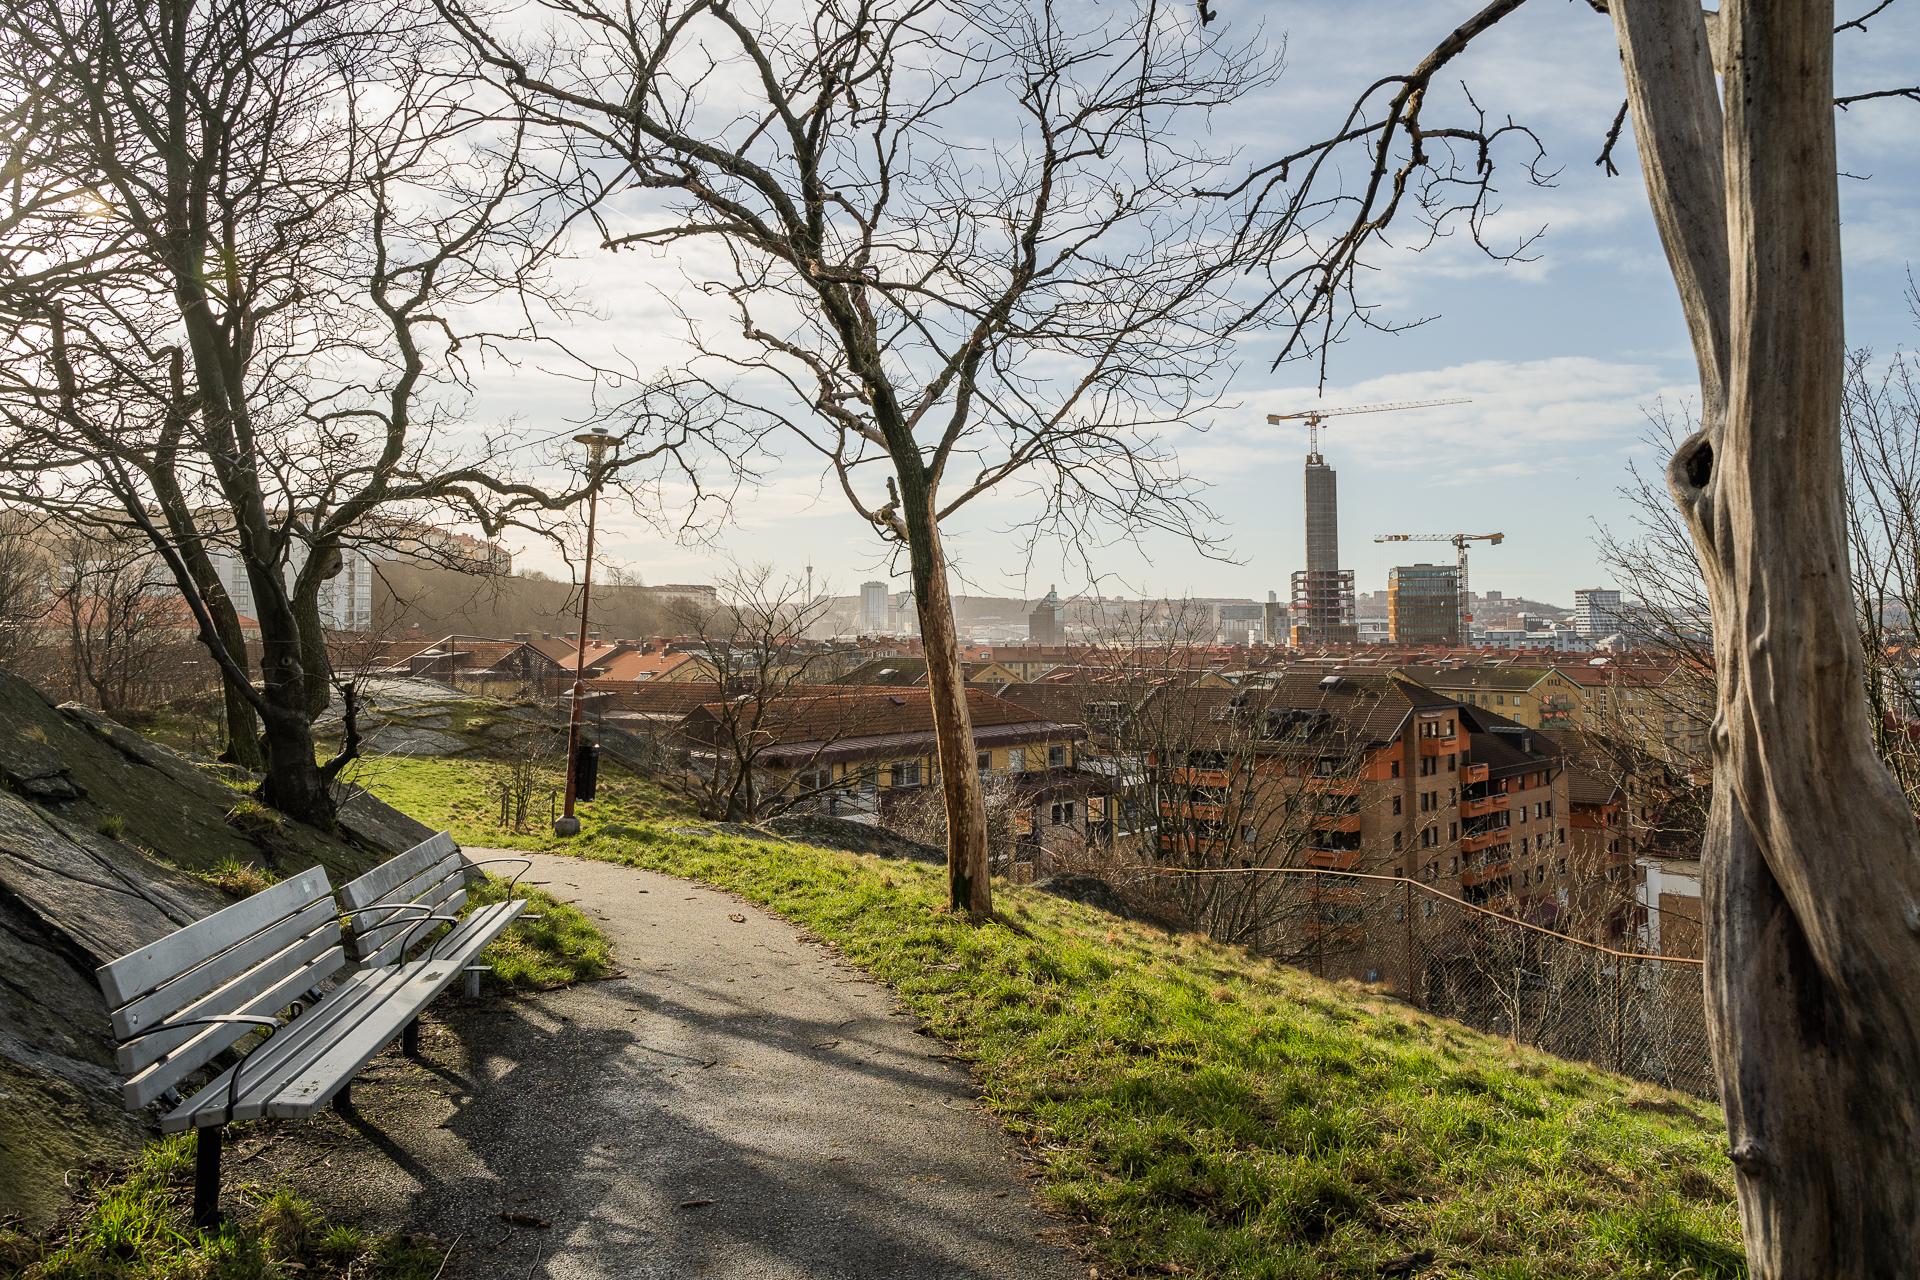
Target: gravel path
[{"x": 739, "y": 1103}]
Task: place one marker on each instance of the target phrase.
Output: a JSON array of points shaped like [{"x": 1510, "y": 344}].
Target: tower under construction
[{"x": 1323, "y": 591}]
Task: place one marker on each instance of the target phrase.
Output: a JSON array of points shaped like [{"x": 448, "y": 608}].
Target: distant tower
[
  {"x": 1043, "y": 624},
  {"x": 1323, "y": 592},
  {"x": 873, "y": 607}
]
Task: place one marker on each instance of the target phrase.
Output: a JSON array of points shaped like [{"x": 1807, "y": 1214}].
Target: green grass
[
  {"x": 458, "y": 795},
  {"x": 560, "y": 948},
  {"x": 1203, "y": 1112},
  {"x": 138, "y": 1227}
]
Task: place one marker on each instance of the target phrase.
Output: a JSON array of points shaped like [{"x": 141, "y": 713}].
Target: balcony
[
  {"x": 1349, "y": 822},
  {"x": 1472, "y": 773},
  {"x": 1193, "y": 809},
  {"x": 1488, "y": 871},
  {"x": 1492, "y": 838},
  {"x": 1185, "y": 777},
  {"x": 1441, "y": 746},
  {"x": 1481, "y": 806},
  {"x": 1334, "y": 786},
  {"x": 1333, "y": 859}
]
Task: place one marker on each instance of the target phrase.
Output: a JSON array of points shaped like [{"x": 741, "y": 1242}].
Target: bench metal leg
[
  {"x": 410, "y": 1039},
  {"x": 473, "y": 972},
  {"x": 343, "y": 1100},
  {"x": 206, "y": 1176}
]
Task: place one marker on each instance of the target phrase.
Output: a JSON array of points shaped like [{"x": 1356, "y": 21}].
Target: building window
[
  {"x": 904, "y": 773},
  {"x": 1453, "y": 866},
  {"x": 1394, "y": 769},
  {"x": 1016, "y": 760},
  {"x": 1396, "y": 845},
  {"x": 1453, "y": 831},
  {"x": 1056, "y": 757},
  {"x": 1062, "y": 813},
  {"x": 983, "y": 761},
  {"x": 1396, "y": 805},
  {"x": 1560, "y": 867},
  {"x": 1452, "y": 761}
]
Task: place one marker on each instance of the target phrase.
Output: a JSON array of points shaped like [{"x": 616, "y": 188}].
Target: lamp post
[{"x": 596, "y": 441}]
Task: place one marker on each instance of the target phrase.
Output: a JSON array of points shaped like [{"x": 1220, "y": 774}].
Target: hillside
[
  {"x": 107, "y": 841},
  {"x": 1200, "y": 1111}
]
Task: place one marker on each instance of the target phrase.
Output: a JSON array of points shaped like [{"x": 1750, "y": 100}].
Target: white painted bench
[
  {"x": 406, "y": 899},
  {"x": 181, "y": 1000}
]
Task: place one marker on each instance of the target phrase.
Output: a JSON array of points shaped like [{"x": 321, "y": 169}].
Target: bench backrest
[
  {"x": 257, "y": 956},
  {"x": 431, "y": 878}
]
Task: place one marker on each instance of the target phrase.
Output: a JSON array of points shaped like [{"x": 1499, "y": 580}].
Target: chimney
[{"x": 521, "y": 637}]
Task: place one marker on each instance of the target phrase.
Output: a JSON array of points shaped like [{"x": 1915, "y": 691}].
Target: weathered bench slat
[
  {"x": 153, "y": 965},
  {"x": 357, "y": 998},
  {"x": 391, "y": 942},
  {"x": 158, "y": 1004},
  {"x": 234, "y": 995},
  {"x": 306, "y": 1093},
  {"x": 378, "y": 885},
  {"x": 428, "y": 888},
  {"x": 197, "y": 1052}
]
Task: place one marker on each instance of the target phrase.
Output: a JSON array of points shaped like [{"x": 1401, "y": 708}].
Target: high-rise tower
[{"x": 1323, "y": 591}]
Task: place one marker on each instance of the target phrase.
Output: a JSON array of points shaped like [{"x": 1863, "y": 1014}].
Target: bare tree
[
  {"x": 129, "y": 641},
  {"x": 252, "y": 253},
  {"x": 933, "y": 314},
  {"x": 763, "y": 674},
  {"x": 26, "y": 589},
  {"x": 1812, "y": 857}
]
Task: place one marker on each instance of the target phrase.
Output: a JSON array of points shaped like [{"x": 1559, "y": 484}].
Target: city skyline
[{"x": 1561, "y": 378}]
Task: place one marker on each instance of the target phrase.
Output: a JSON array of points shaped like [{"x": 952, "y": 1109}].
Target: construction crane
[
  {"x": 1313, "y": 417},
  {"x": 1459, "y": 541}
]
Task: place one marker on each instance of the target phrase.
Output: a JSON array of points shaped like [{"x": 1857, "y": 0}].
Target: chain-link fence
[{"x": 1642, "y": 1015}]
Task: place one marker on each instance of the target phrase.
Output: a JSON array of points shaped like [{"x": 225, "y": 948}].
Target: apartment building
[
  {"x": 1538, "y": 697},
  {"x": 867, "y": 751}
]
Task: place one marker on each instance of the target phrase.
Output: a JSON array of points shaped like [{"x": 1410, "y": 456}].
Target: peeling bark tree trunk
[
  {"x": 1812, "y": 857},
  {"x": 969, "y": 883}
]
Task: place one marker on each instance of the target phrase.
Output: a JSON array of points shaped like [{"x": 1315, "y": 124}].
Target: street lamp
[{"x": 596, "y": 441}]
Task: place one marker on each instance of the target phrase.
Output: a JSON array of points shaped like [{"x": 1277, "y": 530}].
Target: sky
[{"x": 1562, "y": 356}]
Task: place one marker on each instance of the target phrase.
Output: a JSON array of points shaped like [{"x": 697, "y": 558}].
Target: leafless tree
[
  {"x": 955, "y": 243},
  {"x": 763, "y": 674},
  {"x": 129, "y": 643},
  {"x": 1812, "y": 857},
  {"x": 26, "y": 589},
  {"x": 252, "y": 254}
]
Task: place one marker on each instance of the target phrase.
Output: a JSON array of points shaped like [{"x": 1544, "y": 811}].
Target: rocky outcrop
[{"x": 100, "y": 832}]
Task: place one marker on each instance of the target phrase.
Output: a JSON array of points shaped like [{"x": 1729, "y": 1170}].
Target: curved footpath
[{"x": 738, "y": 1103}]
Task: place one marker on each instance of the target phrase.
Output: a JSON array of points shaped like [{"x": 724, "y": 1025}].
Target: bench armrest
[
  {"x": 271, "y": 1025},
  {"x": 526, "y": 865},
  {"x": 396, "y": 908}
]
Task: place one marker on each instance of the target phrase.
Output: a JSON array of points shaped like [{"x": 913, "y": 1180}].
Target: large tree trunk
[
  {"x": 969, "y": 883},
  {"x": 1812, "y": 860}
]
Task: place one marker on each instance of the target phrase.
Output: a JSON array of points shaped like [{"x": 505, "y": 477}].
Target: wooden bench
[
  {"x": 406, "y": 899},
  {"x": 180, "y": 1001}
]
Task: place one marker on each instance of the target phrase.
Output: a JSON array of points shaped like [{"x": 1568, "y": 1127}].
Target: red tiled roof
[
  {"x": 635, "y": 667},
  {"x": 844, "y": 714}
]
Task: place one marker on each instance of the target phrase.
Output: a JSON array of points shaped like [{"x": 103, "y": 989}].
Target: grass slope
[
  {"x": 1206, "y": 1113},
  {"x": 140, "y": 1228}
]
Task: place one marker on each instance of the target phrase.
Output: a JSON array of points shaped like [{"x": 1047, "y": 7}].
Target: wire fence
[{"x": 1640, "y": 1014}]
